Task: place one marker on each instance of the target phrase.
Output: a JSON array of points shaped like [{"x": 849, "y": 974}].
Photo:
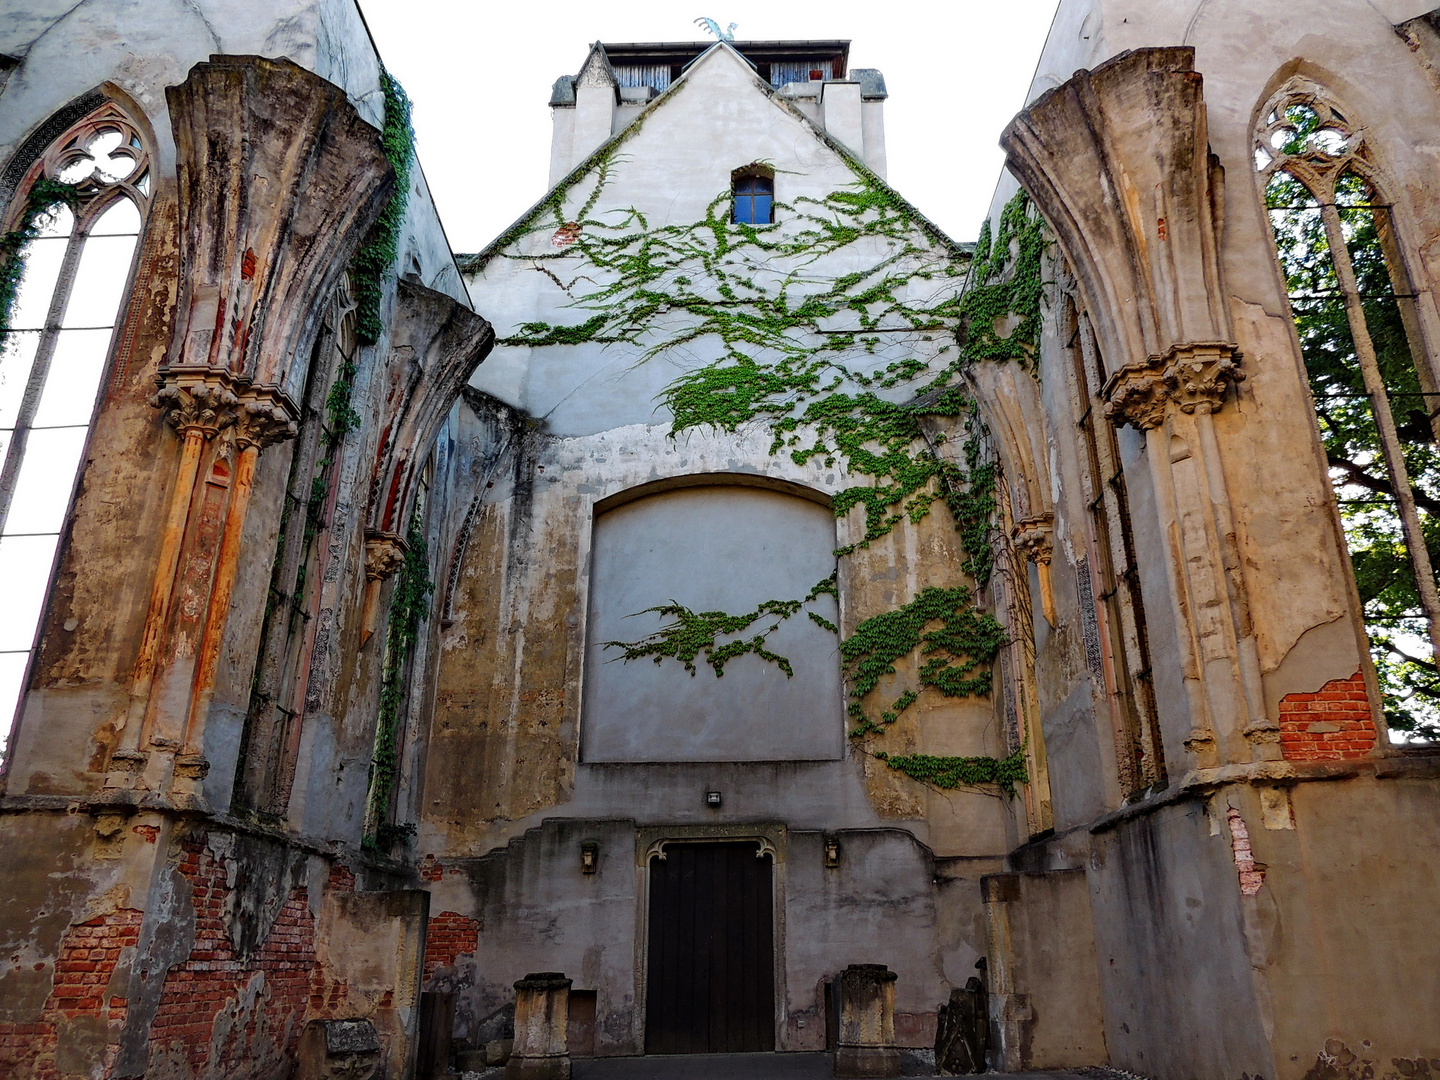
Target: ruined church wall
[
  {"x": 590, "y": 425},
  {"x": 512, "y": 655},
  {"x": 529, "y": 907},
  {"x": 1306, "y": 632},
  {"x": 549, "y": 437},
  {"x": 196, "y": 944},
  {"x": 1270, "y": 900},
  {"x": 87, "y": 653}
]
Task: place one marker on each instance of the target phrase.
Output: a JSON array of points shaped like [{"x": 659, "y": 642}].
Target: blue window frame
[{"x": 754, "y": 200}]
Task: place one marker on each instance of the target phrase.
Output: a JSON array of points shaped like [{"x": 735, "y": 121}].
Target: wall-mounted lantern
[
  {"x": 712, "y": 798},
  {"x": 589, "y": 856},
  {"x": 832, "y": 853}
]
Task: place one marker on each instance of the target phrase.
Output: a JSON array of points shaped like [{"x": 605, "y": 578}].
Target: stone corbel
[
  {"x": 384, "y": 556},
  {"x": 1195, "y": 377},
  {"x": 1198, "y": 375},
  {"x": 1136, "y": 395},
  {"x": 267, "y": 416},
  {"x": 1035, "y": 539}
]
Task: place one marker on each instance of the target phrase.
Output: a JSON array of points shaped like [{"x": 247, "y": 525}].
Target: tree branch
[{"x": 1356, "y": 475}]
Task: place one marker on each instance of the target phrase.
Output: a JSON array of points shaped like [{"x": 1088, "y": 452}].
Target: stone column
[
  {"x": 1118, "y": 161},
  {"x": 867, "y": 1022},
  {"x": 1010, "y": 1013},
  {"x": 542, "y": 1011},
  {"x": 278, "y": 179}
]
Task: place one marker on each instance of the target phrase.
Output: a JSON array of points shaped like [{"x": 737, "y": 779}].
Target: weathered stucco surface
[{"x": 322, "y": 719}]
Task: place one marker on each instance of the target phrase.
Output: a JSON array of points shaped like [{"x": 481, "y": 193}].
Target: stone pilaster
[{"x": 1118, "y": 161}]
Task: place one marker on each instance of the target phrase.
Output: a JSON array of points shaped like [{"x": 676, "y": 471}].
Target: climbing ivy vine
[
  {"x": 1005, "y": 287},
  {"x": 381, "y": 247},
  {"x": 692, "y": 633},
  {"x": 844, "y": 370},
  {"x": 960, "y": 650},
  {"x": 409, "y": 604},
  {"x": 44, "y": 196}
]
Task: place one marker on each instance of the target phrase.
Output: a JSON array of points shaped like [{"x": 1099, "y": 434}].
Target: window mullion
[
  {"x": 1385, "y": 422},
  {"x": 39, "y": 371}
]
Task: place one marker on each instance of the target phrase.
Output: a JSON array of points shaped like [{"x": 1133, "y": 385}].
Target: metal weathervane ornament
[{"x": 728, "y": 34}]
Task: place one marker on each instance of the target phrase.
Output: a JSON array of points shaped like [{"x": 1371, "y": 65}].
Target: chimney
[
  {"x": 596, "y": 96},
  {"x": 872, "y": 117},
  {"x": 840, "y": 109},
  {"x": 562, "y": 126}
]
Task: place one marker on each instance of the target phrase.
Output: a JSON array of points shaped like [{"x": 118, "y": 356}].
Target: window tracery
[
  {"x": 1373, "y": 385},
  {"x": 74, "y": 228}
]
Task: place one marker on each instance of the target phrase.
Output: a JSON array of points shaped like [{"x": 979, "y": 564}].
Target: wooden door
[{"x": 711, "y": 979}]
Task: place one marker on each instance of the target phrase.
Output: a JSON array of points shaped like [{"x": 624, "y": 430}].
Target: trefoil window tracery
[{"x": 70, "y": 240}]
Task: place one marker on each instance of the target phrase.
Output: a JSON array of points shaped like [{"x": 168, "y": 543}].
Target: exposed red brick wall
[
  {"x": 1251, "y": 876},
  {"x": 213, "y": 977},
  {"x": 86, "y": 961},
  {"x": 342, "y": 879},
  {"x": 447, "y": 936},
  {"x": 1329, "y": 725}
]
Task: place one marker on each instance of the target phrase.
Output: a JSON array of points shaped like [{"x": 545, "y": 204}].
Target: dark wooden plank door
[{"x": 711, "y": 979}]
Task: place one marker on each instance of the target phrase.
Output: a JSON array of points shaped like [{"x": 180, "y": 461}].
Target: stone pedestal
[
  {"x": 866, "y": 1046},
  {"x": 542, "y": 1012}
]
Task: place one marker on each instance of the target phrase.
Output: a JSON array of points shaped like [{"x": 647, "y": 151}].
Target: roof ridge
[{"x": 482, "y": 257}]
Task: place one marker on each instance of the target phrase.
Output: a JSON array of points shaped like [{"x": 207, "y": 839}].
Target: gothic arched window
[
  {"x": 65, "y": 262},
  {"x": 1374, "y": 389}
]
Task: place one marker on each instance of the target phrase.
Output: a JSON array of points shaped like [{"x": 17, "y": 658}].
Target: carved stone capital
[
  {"x": 1196, "y": 376},
  {"x": 197, "y": 399},
  {"x": 1136, "y": 395},
  {"x": 266, "y": 416},
  {"x": 384, "y": 554},
  {"x": 1035, "y": 537},
  {"x": 1199, "y": 374}
]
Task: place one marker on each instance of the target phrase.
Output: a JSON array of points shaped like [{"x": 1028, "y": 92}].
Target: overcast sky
[{"x": 479, "y": 75}]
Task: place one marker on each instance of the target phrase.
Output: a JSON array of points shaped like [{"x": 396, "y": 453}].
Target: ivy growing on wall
[
  {"x": 44, "y": 196},
  {"x": 692, "y": 633},
  {"x": 954, "y": 772},
  {"x": 409, "y": 605},
  {"x": 1005, "y": 289},
  {"x": 842, "y": 370},
  {"x": 377, "y": 255},
  {"x": 959, "y": 651}
]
